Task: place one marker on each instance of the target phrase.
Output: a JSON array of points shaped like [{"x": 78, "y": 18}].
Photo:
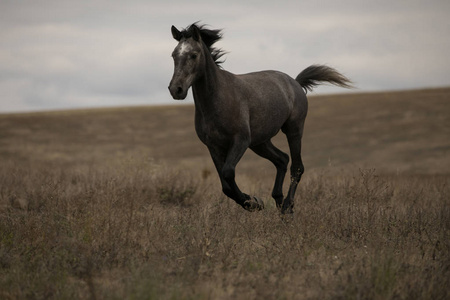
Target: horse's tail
[{"x": 314, "y": 75}]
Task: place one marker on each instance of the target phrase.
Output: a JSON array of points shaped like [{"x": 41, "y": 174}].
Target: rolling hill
[{"x": 394, "y": 132}]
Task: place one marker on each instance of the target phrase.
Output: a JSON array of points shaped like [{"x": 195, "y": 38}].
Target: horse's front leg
[
  {"x": 280, "y": 160},
  {"x": 225, "y": 162}
]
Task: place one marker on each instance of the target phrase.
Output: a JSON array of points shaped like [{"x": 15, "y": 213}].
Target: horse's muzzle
[{"x": 177, "y": 92}]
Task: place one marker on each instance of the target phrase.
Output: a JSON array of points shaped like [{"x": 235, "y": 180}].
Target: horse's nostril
[{"x": 179, "y": 90}]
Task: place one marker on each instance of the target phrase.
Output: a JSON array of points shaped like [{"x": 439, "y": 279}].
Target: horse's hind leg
[
  {"x": 294, "y": 136},
  {"x": 280, "y": 160}
]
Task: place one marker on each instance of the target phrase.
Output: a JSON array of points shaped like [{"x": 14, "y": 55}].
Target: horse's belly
[
  {"x": 267, "y": 121},
  {"x": 261, "y": 133}
]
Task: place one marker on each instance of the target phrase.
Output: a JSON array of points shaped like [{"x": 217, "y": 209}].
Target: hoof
[
  {"x": 253, "y": 204},
  {"x": 286, "y": 208}
]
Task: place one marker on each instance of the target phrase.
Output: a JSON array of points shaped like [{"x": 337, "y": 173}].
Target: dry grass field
[{"x": 124, "y": 203}]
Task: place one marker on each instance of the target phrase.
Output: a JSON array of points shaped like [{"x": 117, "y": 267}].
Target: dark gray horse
[{"x": 236, "y": 112}]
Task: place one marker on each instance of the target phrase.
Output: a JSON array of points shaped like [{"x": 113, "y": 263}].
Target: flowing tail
[{"x": 315, "y": 75}]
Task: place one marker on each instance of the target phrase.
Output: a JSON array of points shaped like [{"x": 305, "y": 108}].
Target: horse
[{"x": 237, "y": 112}]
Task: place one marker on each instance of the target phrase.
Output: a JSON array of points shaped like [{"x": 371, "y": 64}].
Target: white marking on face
[{"x": 184, "y": 47}]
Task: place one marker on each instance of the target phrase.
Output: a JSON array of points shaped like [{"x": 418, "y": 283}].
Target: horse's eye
[{"x": 194, "y": 56}]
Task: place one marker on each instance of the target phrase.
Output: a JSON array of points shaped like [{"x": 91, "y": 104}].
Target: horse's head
[{"x": 189, "y": 59}]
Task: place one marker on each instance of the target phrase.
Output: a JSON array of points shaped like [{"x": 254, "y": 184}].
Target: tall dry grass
[
  {"x": 85, "y": 214},
  {"x": 138, "y": 230}
]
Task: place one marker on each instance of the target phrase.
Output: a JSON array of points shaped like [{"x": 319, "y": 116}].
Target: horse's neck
[{"x": 207, "y": 88}]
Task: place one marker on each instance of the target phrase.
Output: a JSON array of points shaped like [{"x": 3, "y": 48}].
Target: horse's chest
[{"x": 211, "y": 133}]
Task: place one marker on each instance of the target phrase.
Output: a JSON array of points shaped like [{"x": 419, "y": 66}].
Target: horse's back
[
  {"x": 269, "y": 85},
  {"x": 274, "y": 91},
  {"x": 273, "y": 98}
]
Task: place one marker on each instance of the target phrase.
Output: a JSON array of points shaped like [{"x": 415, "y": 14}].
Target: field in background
[{"x": 125, "y": 203}]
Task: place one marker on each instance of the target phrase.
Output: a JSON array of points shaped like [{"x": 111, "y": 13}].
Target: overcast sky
[{"x": 76, "y": 54}]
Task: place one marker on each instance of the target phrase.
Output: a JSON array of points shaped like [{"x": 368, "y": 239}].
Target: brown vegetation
[{"x": 125, "y": 204}]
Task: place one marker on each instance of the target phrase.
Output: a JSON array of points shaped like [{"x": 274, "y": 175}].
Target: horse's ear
[
  {"x": 195, "y": 33},
  {"x": 176, "y": 33}
]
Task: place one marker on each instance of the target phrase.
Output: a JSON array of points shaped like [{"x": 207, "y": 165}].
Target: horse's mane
[{"x": 209, "y": 37}]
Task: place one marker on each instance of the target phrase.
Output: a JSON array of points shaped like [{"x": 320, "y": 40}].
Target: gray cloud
[{"x": 68, "y": 54}]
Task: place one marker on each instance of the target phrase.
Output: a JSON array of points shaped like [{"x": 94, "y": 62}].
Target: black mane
[{"x": 209, "y": 37}]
